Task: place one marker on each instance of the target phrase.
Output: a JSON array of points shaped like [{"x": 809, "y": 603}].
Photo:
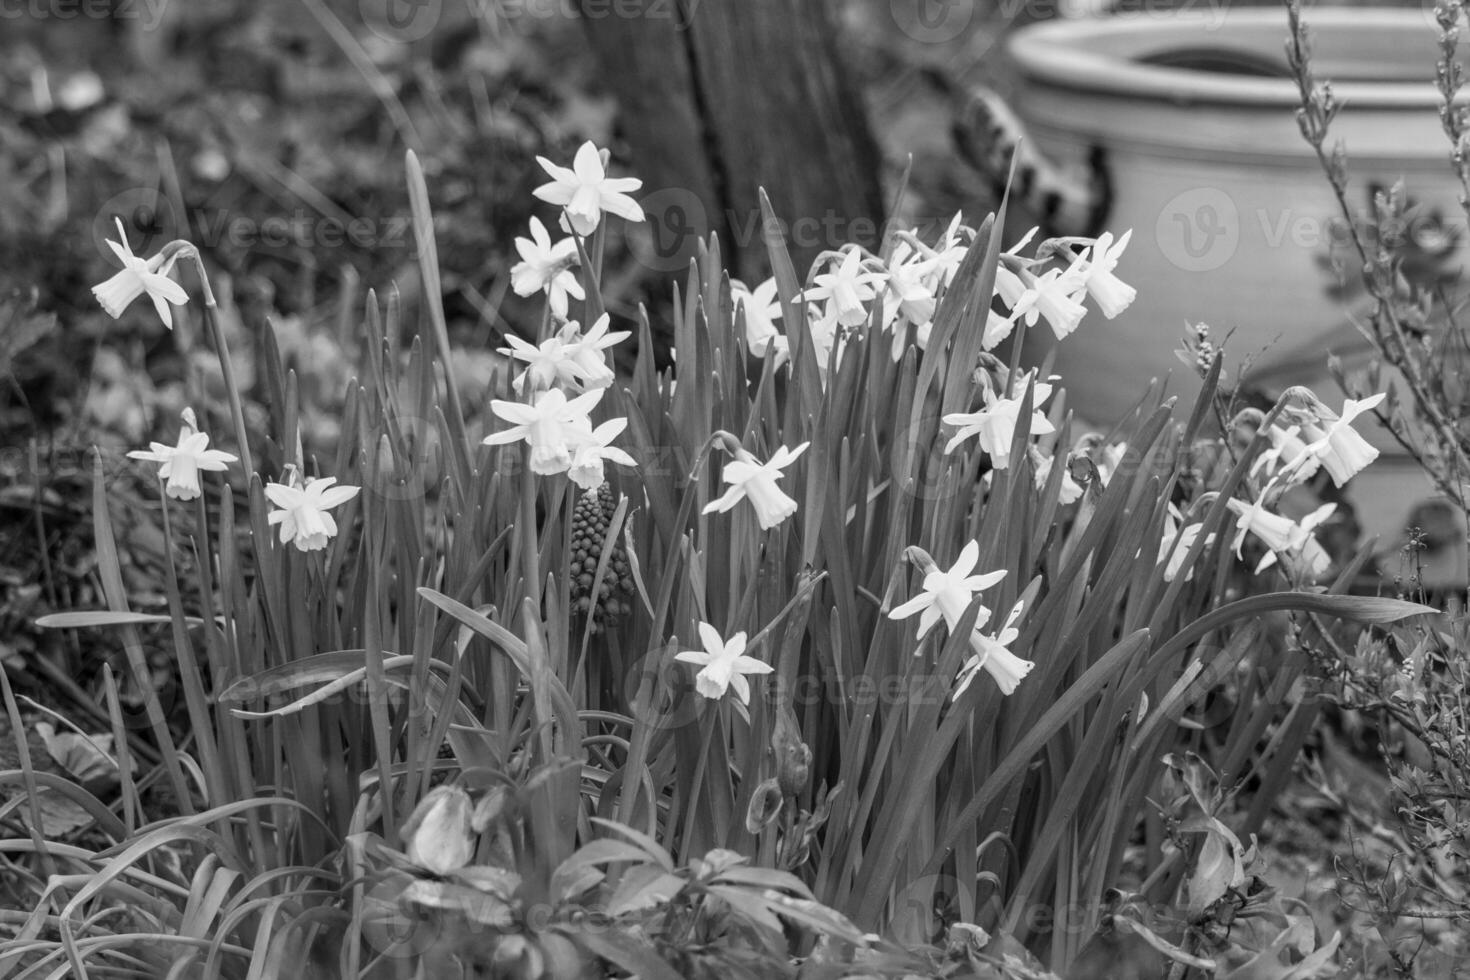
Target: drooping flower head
[
  {"x": 752, "y": 480},
  {"x": 1282, "y": 535},
  {"x": 1054, "y": 296},
  {"x": 994, "y": 656},
  {"x": 1330, "y": 437},
  {"x": 1111, "y": 294},
  {"x": 140, "y": 277}
]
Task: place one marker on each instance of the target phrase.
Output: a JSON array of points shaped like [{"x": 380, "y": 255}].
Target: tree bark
[{"x": 722, "y": 97}]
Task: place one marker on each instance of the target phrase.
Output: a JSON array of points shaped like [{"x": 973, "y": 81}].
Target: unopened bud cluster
[{"x": 590, "y": 520}]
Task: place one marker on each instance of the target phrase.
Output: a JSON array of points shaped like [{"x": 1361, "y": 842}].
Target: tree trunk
[{"x": 722, "y": 97}]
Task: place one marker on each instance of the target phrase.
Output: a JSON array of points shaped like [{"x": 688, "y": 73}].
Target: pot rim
[{"x": 1065, "y": 53}]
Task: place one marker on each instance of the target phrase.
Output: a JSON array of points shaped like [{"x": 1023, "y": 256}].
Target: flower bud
[
  {"x": 437, "y": 836},
  {"x": 765, "y": 805},
  {"x": 793, "y": 756}
]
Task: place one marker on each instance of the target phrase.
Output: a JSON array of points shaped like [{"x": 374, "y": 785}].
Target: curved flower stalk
[
  {"x": 752, "y": 480},
  {"x": 141, "y": 277},
  {"x": 181, "y": 463},
  {"x": 723, "y": 665},
  {"x": 585, "y": 192},
  {"x": 302, "y": 512},
  {"x": 149, "y": 277}
]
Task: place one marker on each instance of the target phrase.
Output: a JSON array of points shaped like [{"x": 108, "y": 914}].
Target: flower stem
[
  {"x": 691, "y": 805},
  {"x": 227, "y": 369}
]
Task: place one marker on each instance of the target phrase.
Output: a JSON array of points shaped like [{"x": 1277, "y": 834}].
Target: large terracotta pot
[{"x": 1232, "y": 217}]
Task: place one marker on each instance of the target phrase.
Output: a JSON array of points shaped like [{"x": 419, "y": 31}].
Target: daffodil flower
[
  {"x": 908, "y": 297},
  {"x": 847, "y": 288},
  {"x": 1282, "y": 535},
  {"x": 1111, "y": 294},
  {"x": 993, "y": 655},
  {"x": 825, "y": 333},
  {"x": 761, "y": 308},
  {"x": 1175, "y": 544},
  {"x": 1008, "y": 285},
  {"x": 947, "y": 594},
  {"x": 945, "y": 259},
  {"x": 722, "y": 664},
  {"x": 1333, "y": 440},
  {"x": 592, "y": 449},
  {"x": 137, "y": 278},
  {"x": 997, "y": 329},
  {"x": 995, "y": 424},
  {"x": 180, "y": 464},
  {"x": 546, "y": 267},
  {"x": 752, "y": 480},
  {"x": 303, "y": 510},
  {"x": 1052, "y": 295},
  {"x": 547, "y": 363},
  {"x": 549, "y": 427},
  {"x": 585, "y": 191},
  {"x": 586, "y": 351},
  {"x": 1289, "y": 460}
]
